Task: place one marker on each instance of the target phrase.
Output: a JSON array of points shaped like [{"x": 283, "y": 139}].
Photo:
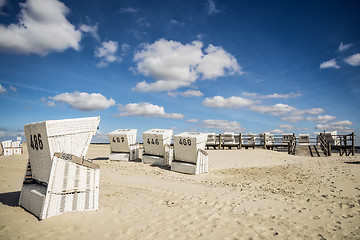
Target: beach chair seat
[
  {"x": 57, "y": 178},
  {"x": 304, "y": 139},
  {"x": 7, "y": 149}
]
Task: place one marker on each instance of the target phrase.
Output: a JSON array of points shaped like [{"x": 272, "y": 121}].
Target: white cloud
[
  {"x": 50, "y": 103},
  {"x": 12, "y": 88},
  {"x": 84, "y": 101},
  {"x": 222, "y": 125},
  {"x": 353, "y": 60},
  {"x": 217, "y": 62},
  {"x": 175, "y": 22},
  {"x": 42, "y": 29},
  {"x": 125, "y": 47},
  {"x": 174, "y": 65},
  {"x": 275, "y": 95},
  {"x": 107, "y": 53},
  {"x": 311, "y": 111},
  {"x": 2, "y": 4},
  {"x": 142, "y": 22},
  {"x": 2, "y": 89},
  {"x": 276, "y": 110},
  {"x": 188, "y": 93},
  {"x": 147, "y": 110},
  {"x": 192, "y": 120},
  {"x": 287, "y": 127},
  {"x": 339, "y": 126},
  {"x": 329, "y": 64},
  {"x": 293, "y": 118},
  {"x": 232, "y": 102},
  {"x": 343, "y": 47},
  {"x": 321, "y": 118},
  {"x": 129, "y": 10},
  {"x": 277, "y": 131},
  {"x": 92, "y": 30},
  {"x": 211, "y": 8}
]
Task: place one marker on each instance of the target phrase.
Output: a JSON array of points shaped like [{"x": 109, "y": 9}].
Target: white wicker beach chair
[
  {"x": 157, "y": 149},
  {"x": 123, "y": 145},
  {"x": 58, "y": 179},
  {"x": 189, "y": 153}
]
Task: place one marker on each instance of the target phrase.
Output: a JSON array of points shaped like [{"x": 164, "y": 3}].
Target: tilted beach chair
[
  {"x": 157, "y": 149},
  {"x": 58, "y": 179},
  {"x": 189, "y": 153},
  {"x": 123, "y": 145}
]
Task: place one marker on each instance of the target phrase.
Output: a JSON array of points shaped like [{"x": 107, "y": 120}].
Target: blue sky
[{"x": 209, "y": 66}]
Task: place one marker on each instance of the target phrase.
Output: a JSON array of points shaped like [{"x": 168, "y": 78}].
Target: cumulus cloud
[
  {"x": 277, "y": 131},
  {"x": 188, "y": 93},
  {"x": 42, "y": 29},
  {"x": 106, "y": 52},
  {"x": 343, "y": 47},
  {"x": 275, "y": 95},
  {"x": 211, "y": 8},
  {"x": 147, "y": 110},
  {"x": 92, "y": 30},
  {"x": 2, "y": 89},
  {"x": 339, "y": 126},
  {"x": 275, "y": 110},
  {"x": 311, "y": 111},
  {"x": 293, "y": 118},
  {"x": 192, "y": 120},
  {"x": 353, "y": 60},
  {"x": 174, "y": 65},
  {"x": 232, "y": 102},
  {"x": 176, "y": 22},
  {"x": 2, "y": 4},
  {"x": 222, "y": 125},
  {"x": 321, "y": 118},
  {"x": 84, "y": 101},
  {"x": 129, "y": 10},
  {"x": 329, "y": 64},
  {"x": 287, "y": 127}
]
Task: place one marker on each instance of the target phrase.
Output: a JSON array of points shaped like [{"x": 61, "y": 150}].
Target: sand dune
[{"x": 248, "y": 194}]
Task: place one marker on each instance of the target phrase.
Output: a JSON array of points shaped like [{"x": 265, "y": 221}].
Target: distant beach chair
[
  {"x": 157, "y": 149},
  {"x": 123, "y": 145},
  {"x": 286, "y": 138},
  {"x": 230, "y": 140},
  {"x": 7, "y": 149},
  {"x": 212, "y": 141},
  {"x": 304, "y": 139},
  {"x": 58, "y": 179},
  {"x": 189, "y": 152},
  {"x": 267, "y": 139}
]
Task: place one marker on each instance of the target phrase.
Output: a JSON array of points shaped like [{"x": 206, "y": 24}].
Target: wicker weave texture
[{"x": 155, "y": 139}]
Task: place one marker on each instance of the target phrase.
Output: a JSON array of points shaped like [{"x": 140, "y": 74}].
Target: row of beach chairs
[
  {"x": 59, "y": 179},
  {"x": 11, "y": 148},
  {"x": 230, "y": 140}
]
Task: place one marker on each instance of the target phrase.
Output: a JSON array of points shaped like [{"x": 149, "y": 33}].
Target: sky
[{"x": 204, "y": 66}]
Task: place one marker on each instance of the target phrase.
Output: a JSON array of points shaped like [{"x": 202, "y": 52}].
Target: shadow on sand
[{"x": 10, "y": 198}]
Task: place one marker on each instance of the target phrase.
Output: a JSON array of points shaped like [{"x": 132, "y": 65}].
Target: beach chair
[
  {"x": 123, "y": 145},
  {"x": 157, "y": 149},
  {"x": 212, "y": 141},
  {"x": 304, "y": 139},
  {"x": 17, "y": 149},
  {"x": 267, "y": 139},
  {"x": 286, "y": 138},
  {"x": 189, "y": 153},
  {"x": 58, "y": 179},
  {"x": 7, "y": 149}
]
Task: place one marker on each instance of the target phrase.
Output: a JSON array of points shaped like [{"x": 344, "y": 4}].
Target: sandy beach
[{"x": 248, "y": 194}]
